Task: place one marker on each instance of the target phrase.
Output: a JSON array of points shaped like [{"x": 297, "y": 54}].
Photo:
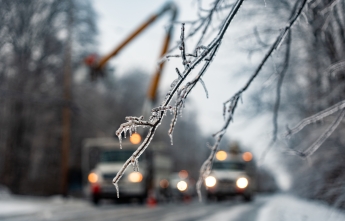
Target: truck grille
[
  {"x": 226, "y": 182},
  {"x": 109, "y": 176}
]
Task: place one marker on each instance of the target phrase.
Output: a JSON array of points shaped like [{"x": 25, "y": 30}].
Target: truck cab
[{"x": 231, "y": 175}]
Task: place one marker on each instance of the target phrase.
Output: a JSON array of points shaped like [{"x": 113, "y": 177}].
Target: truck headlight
[
  {"x": 135, "y": 177},
  {"x": 242, "y": 182},
  {"x": 182, "y": 185},
  {"x": 92, "y": 177},
  {"x": 210, "y": 181}
]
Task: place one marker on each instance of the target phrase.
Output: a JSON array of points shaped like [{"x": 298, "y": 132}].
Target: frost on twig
[
  {"x": 316, "y": 145},
  {"x": 313, "y": 119},
  {"x": 316, "y": 117},
  {"x": 131, "y": 126}
]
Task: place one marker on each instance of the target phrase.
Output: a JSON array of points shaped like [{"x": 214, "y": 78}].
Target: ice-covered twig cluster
[
  {"x": 315, "y": 118},
  {"x": 206, "y": 55}
]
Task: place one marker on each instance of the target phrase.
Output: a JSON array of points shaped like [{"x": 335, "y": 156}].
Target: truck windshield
[
  {"x": 115, "y": 155},
  {"x": 228, "y": 166}
]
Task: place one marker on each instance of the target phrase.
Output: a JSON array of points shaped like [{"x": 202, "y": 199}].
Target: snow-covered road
[{"x": 265, "y": 208}]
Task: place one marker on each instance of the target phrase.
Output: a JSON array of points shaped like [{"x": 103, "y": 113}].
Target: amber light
[
  {"x": 135, "y": 138},
  {"x": 164, "y": 183},
  {"x": 247, "y": 156},
  {"x": 183, "y": 174},
  {"x": 221, "y": 155},
  {"x": 93, "y": 178}
]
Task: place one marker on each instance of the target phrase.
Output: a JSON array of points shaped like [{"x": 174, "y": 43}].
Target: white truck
[
  {"x": 232, "y": 174},
  {"x": 103, "y": 158}
]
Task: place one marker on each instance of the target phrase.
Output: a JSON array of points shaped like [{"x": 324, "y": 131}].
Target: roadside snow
[
  {"x": 233, "y": 213},
  {"x": 12, "y": 207},
  {"x": 289, "y": 208}
]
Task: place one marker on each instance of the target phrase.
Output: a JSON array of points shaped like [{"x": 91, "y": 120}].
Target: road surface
[{"x": 79, "y": 210}]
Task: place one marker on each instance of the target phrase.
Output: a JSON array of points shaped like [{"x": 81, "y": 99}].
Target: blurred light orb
[
  {"x": 183, "y": 174},
  {"x": 182, "y": 185},
  {"x": 221, "y": 155},
  {"x": 247, "y": 156},
  {"x": 242, "y": 182},
  {"x": 93, "y": 178},
  {"x": 135, "y": 177},
  {"x": 135, "y": 138},
  {"x": 164, "y": 183},
  {"x": 210, "y": 181}
]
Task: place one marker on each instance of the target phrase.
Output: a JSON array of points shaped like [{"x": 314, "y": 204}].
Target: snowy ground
[
  {"x": 278, "y": 207},
  {"x": 289, "y": 208}
]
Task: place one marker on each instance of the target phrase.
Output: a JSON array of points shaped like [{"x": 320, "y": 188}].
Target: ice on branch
[{"x": 131, "y": 126}]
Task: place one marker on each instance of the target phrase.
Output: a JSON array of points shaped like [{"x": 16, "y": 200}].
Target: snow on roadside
[
  {"x": 289, "y": 208},
  {"x": 233, "y": 213},
  {"x": 13, "y": 205}
]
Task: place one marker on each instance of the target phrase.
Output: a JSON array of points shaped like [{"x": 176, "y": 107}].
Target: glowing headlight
[
  {"x": 135, "y": 177},
  {"x": 242, "y": 182},
  {"x": 93, "y": 178},
  {"x": 210, "y": 181},
  {"x": 182, "y": 185}
]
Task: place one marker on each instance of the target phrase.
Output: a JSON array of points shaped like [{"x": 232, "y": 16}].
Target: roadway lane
[{"x": 79, "y": 210}]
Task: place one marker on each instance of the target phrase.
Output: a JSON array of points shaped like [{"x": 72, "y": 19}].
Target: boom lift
[{"x": 97, "y": 65}]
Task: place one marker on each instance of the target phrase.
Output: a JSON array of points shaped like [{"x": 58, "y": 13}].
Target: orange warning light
[{"x": 247, "y": 156}]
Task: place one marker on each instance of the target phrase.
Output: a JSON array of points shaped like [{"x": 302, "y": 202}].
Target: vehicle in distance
[
  {"x": 230, "y": 176},
  {"x": 153, "y": 167}
]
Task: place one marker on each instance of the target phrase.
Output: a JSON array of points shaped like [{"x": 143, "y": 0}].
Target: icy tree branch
[
  {"x": 158, "y": 114},
  {"x": 316, "y": 145},
  {"x": 316, "y": 117},
  {"x": 278, "y": 89}
]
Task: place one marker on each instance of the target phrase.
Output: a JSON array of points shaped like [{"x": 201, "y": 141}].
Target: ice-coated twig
[
  {"x": 204, "y": 86},
  {"x": 278, "y": 89},
  {"x": 183, "y": 48},
  {"x": 206, "y": 167},
  {"x": 315, "y": 146},
  {"x": 131, "y": 125},
  {"x": 316, "y": 117},
  {"x": 178, "y": 72},
  {"x": 336, "y": 67}
]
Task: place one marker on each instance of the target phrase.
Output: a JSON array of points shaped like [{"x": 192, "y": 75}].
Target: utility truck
[
  {"x": 103, "y": 158},
  {"x": 232, "y": 174}
]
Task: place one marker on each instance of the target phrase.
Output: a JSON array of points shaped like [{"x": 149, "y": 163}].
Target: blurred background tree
[
  {"x": 32, "y": 53},
  {"x": 38, "y": 41},
  {"x": 306, "y": 80}
]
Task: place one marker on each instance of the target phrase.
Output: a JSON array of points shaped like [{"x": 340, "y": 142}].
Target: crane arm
[{"x": 169, "y": 7}]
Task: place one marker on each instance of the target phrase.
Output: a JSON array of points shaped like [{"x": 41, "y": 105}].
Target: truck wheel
[
  {"x": 95, "y": 200},
  {"x": 248, "y": 197},
  {"x": 142, "y": 200},
  {"x": 210, "y": 198}
]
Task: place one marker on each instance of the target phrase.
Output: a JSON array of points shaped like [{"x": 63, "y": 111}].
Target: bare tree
[{"x": 32, "y": 48}]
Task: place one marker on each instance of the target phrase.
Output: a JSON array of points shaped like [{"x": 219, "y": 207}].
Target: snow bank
[
  {"x": 290, "y": 208},
  {"x": 233, "y": 213},
  {"x": 11, "y": 207}
]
